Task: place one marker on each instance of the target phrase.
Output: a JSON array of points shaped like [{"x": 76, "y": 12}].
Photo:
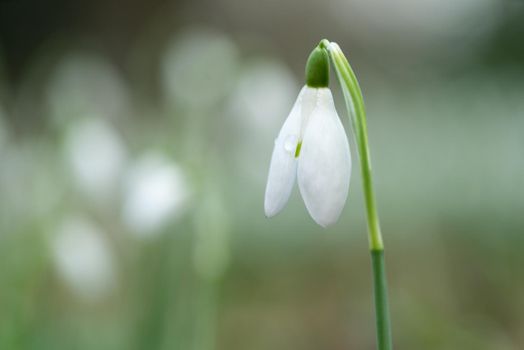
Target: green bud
[{"x": 317, "y": 68}]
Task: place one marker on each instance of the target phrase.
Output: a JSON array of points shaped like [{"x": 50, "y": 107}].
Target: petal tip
[
  {"x": 325, "y": 223},
  {"x": 270, "y": 211}
]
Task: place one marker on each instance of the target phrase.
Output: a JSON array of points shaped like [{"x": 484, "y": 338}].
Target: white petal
[
  {"x": 324, "y": 165},
  {"x": 308, "y": 103},
  {"x": 283, "y": 168}
]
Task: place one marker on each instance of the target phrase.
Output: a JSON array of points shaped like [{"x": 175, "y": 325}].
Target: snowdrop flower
[
  {"x": 83, "y": 258},
  {"x": 311, "y": 146},
  {"x": 156, "y": 192},
  {"x": 96, "y": 156}
]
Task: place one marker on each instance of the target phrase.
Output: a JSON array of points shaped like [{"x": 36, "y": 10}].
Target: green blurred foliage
[{"x": 134, "y": 146}]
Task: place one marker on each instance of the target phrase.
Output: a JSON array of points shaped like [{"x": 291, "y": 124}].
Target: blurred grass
[{"x": 206, "y": 87}]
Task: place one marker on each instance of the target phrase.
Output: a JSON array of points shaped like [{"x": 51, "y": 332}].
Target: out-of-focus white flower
[
  {"x": 96, "y": 155},
  {"x": 198, "y": 66},
  {"x": 263, "y": 93},
  {"x": 83, "y": 259},
  {"x": 312, "y": 145},
  {"x": 156, "y": 192},
  {"x": 265, "y": 89},
  {"x": 85, "y": 84}
]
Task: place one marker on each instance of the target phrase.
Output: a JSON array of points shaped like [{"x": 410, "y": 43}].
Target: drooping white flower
[
  {"x": 312, "y": 146},
  {"x": 156, "y": 192},
  {"x": 96, "y": 156},
  {"x": 83, "y": 258}
]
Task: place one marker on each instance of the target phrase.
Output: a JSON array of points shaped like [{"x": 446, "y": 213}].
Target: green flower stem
[
  {"x": 380, "y": 288},
  {"x": 356, "y": 110}
]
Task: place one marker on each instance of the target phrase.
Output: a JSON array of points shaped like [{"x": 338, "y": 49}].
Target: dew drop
[{"x": 290, "y": 144}]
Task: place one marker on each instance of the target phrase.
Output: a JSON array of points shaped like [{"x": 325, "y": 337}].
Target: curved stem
[{"x": 355, "y": 105}]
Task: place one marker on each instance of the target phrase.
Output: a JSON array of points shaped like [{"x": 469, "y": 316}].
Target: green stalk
[
  {"x": 355, "y": 105},
  {"x": 380, "y": 289}
]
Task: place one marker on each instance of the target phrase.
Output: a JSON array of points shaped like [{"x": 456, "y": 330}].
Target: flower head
[{"x": 311, "y": 146}]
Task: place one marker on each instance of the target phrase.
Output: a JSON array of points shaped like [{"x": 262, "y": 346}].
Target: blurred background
[{"x": 135, "y": 140}]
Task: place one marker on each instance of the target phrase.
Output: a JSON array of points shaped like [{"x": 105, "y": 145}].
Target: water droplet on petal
[{"x": 290, "y": 144}]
